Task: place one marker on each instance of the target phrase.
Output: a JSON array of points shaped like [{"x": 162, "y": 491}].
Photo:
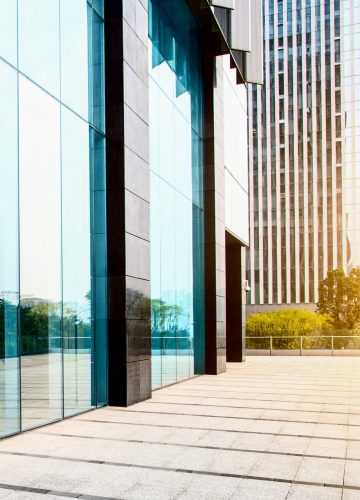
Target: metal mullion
[
  {"x": 333, "y": 137},
  {"x": 266, "y": 89},
  {"x": 342, "y": 110},
  {"x": 314, "y": 154},
  {"x": 296, "y": 156},
  {"x": 251, "y": 200},
  {"x": 260, "y": 193},
  {"x": 277, "y": 166},
  {"x": 305, "y": 159},
  {"x": 287, "y": 162},
  {"x": 323, "y": 141}
]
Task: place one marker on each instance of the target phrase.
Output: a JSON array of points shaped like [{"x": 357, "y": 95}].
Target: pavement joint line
[
  {"x": 232, "y": 417},
  {"x": 43, "y": 491},
  {"x": 249, "y": 392},
  {"x": 247, "y": 399},
  {"x": 275, "y": 380},
  {"x": 166, "y": 469},
  {"x": 215, "y": 429},
  {"x": 272, "y": 377},
  {"x": 201, "y": 447},
  {"x": 274, "y": 385},
  {"x": 200, "y": 405},
  {"x": 285, "y": 386}
]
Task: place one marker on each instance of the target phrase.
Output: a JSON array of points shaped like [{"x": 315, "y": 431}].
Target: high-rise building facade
[
  {"x": 304, "y": 150},
  {"x": 119, "y": 198}
]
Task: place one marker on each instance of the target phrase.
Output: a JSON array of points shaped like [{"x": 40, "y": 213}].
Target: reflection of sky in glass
[
  {"x": 8, "y": 181},
  {"x": 75, "y": 211},
  {"x": 175, "y": 189},
  {"x": 39, "y": 53},
  {"x": 176, "y": 183},
  {"x": 8, "y": 31},
  {"x": 40, "y": 204},
  {"x": 171, "y": 159},
  {"x": 74, "y": 50},
  {"x": 53, "y": 47},
  {"x": 9, "y": 255}
]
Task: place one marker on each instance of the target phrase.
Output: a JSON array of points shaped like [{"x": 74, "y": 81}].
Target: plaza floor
[{"x": 271, "y": 428}]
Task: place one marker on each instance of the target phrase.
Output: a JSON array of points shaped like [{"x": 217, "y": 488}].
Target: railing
[
  {"x": 329, "y": 345},
  {"x": 180, "y": 345}
]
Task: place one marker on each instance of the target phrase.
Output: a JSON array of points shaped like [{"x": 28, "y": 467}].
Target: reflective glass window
[
  {"x": 98, "y": 264},
  {"x": 40, "y": 255},
  {"x": 74, "y": 55},
  {"x": 9, "y": 254},
  {"x": 176, "y": 209},
  {"x": 8, "y": 30},
  {"x": 53, "y": 305},
  {"x": 96, "y": 69},
  {"x": 76, "y": 280},
  {"x": 39, "y": 42}
]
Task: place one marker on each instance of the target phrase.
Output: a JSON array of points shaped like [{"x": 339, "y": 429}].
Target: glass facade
[
  {"x": 176, "y": 192},
  {"x": 52, "y": 212}
]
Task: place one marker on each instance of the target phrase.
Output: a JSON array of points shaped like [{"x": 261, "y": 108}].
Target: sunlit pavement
[{"x": 271, "y": 428}]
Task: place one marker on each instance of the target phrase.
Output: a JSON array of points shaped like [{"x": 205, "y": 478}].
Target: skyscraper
[{"x": 304, "y": 151}]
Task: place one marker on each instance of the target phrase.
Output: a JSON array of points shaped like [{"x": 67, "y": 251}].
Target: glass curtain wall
[
  {"x": 52, "y": 212},
  {"x": 176, "y": 163}
]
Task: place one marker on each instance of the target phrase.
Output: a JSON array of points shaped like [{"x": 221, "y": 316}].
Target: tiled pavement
[{"x": 271, "y": 428}]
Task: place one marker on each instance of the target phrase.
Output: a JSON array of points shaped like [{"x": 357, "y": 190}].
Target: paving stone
[{"x": 245, "y": 434}]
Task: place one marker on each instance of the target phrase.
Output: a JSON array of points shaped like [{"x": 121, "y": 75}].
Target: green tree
[
  {"x": 290, "y": 323},
  {"x": 339, "y": 297},
  {"x": 285, "y": 322}
]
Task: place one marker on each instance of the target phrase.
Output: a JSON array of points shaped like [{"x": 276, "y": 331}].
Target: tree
[
  {"x": 286, "y": 326},
  {"x": 339, "y": 297},
  {"x": 285, "y": 322}
]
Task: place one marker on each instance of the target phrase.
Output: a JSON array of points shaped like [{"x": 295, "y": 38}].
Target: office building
[
  {"x": 304, "y": 151},
  {"x": 121, "y": 177}
]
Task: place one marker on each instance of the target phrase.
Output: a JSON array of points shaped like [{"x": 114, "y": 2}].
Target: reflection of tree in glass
[
  {"x": 165, "y": 326},
  {"x": 164, "y": 317},
  {"x": 8, "y": 327},
  {"x": 40, "y": 321},
  {"x": 40, "y": 325},
  {"x": 77, "y": 328}
]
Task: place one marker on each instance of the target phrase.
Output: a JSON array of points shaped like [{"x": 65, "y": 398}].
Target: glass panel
[
  {"x": 77, "y": 327},
  {"x": 9, "y": 254},
  {"x": 39, "y": 51},
  {"x": 52, "y": 253},
  {"x": 176, "y": 162},
  {"x": 184, "y": 286},
  {"x": 98, "y": 268},
  {"x": 74, "y": 55},
  {"x": 156, "y": 304},
  {"x": 168, "y": 283},
  {"x": 8, "y": 30},
  {"x": 198, "y": 344},
  {"x": 96, "y": 70},
  {"x": 98, "y": 5},
  {"x": 40, "y": 255}
]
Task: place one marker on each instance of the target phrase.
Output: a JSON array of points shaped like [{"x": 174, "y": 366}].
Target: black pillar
[
  {"x": 234, "y": 299},
  {"x": 214, "y": 194},
  {"x": 128, "y": 206}
]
